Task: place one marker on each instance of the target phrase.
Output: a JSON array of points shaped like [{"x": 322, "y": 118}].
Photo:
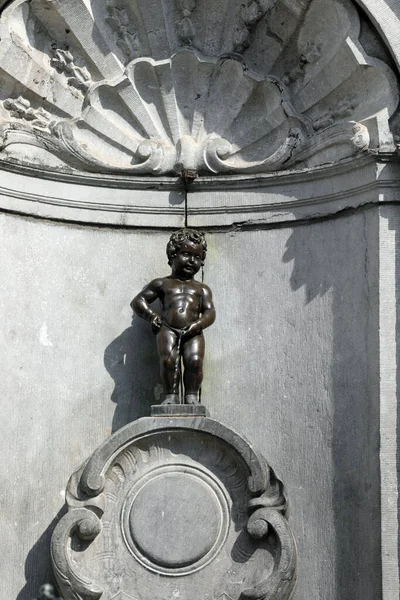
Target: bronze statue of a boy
[{"x": 187, "y": 309}]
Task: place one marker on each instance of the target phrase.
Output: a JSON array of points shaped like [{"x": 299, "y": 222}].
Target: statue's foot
[
  {"x": 191, "y": 399},
  {"x": 171, "y": 399}
]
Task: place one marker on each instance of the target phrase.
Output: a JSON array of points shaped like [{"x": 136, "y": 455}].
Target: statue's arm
[
  {"x": 208, "y": 310},
  {"x": 207, "y": 314},
  {"x": 141, "y": 303}
]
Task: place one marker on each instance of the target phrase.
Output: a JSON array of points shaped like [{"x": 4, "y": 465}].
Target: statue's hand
[
  {"x": 156, "y": 323},
  {"x": 193, "y": 329}
]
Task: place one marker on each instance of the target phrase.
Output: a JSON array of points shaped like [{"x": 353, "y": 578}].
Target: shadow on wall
[
  {"x": 131, "y": 360},
  {"x": 38, "y": 563},
  {"x": 311, "y": 255},
  {"x": 340, "y": 254}
]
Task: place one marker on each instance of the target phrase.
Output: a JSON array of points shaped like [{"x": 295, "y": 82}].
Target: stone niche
[{"x": 273, "y": 125}]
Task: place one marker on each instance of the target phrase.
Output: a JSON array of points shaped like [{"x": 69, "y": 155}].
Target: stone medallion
[
  {"x": 175, "y": 520},
  {"x": 174, "y": 507}
]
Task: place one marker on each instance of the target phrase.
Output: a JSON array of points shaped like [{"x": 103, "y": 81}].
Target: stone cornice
[{"x": 208, "y": 202}]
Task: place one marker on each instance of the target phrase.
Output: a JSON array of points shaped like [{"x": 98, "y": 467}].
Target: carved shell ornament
[{"x": 139, "y": 87}]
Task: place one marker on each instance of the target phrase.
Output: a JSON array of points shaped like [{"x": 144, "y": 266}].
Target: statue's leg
[
  {"x": 167, "y": 345},
  {"x": 193, "y": 355}
]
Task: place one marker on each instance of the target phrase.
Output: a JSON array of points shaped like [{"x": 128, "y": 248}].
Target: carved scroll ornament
[{"x": 171, "y": 507}]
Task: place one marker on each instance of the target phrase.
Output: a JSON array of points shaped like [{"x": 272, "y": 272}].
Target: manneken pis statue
[{"x": 187, "y": 309}]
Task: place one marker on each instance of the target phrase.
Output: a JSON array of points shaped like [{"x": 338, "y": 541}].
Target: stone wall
[{"x": 290, "y": 365}]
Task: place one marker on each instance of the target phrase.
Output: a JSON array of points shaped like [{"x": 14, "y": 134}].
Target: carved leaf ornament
[{"x": 155, "y": 87}]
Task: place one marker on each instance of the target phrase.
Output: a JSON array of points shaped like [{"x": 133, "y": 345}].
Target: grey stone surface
[
  {"x": 308, "y": 340},
  {"x": 78, "y": 363},
  {"x": 209, "y": 202},
  {"x": 124, "y": 203},
  {"x": 283, "y": 197},
  {"x": 385, "y": 14},
  {"x": 175, "y": 507},
  {"x": 388, "y": 304},
  {"x": 75, "y": 369}
]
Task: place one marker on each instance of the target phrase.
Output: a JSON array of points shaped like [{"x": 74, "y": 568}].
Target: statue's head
[{"x": 181, "y": 237}]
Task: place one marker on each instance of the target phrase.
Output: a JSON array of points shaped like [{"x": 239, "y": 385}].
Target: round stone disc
[{"x": 175, "y": 519}]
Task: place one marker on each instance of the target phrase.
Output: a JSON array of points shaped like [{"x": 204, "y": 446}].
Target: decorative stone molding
[
  {"x": 222, "y": 200},
  {"x": 174, "y": 507},
  {"x": 185, "y": 28},
  {"x": 236, "y": 87},
  {"x": 125, "y": 36},
  {"x": 21, "y": 109},
  {"x": 77, "y": 77},
  {"x": 361, "y": 138}
]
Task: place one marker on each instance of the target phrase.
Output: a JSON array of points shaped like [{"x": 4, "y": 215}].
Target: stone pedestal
[
  {"x": 178, "y": 410},
  {"x": 174, "y": 507}
]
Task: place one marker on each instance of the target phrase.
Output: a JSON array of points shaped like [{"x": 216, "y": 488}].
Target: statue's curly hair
[{"x": 185, "y": 235}]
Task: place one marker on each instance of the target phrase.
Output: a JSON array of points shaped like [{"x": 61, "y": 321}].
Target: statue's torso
[{"x": 182, "y": 302}]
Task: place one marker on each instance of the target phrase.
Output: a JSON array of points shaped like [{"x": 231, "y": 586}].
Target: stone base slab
[{"x": 178, "y": 410}]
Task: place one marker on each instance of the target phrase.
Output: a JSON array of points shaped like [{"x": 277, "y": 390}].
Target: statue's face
[{"x": 187, "y": 261}]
